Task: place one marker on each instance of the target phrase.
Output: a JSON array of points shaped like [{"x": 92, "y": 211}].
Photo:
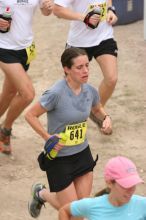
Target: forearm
[
  {"x": 67, "y": 13},
  {"x": 37, "y": 126},
  {"x": 109, "y": 3},
  {"x": 103, "y": 119},
  {"x": 111, "y": 14},
  {"x": 99, "y": 112}
]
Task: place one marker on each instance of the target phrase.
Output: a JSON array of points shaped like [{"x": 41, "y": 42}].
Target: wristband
[{"x": 112, "y": 8}]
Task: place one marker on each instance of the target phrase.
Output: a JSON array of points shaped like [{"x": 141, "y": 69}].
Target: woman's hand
[
  {"x": 94, "y": 19},
  {"x": 47, "y": 7},
  {"x": 58, "y": 146},
  {"x": 4, "y": 24},
  {"x": 106, "y": 125},
  {"x": 111, "y": 17}
]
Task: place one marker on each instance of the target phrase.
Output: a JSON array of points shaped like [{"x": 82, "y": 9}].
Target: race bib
[
  {"x": 75, "y": 133},
  {"x": 31, "y": 53},
  {"x": 103, "y": 7}
]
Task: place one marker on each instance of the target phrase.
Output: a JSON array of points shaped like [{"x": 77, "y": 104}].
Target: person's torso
[
  {"x": 82, "y": 36},
  {"x": 69, "y": 114},
  {"x": 100, "y": 208},
  {"x": 20, "y": 34}
]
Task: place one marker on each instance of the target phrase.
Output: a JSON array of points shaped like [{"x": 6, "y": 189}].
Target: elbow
[{"x": 28, "y": 116}]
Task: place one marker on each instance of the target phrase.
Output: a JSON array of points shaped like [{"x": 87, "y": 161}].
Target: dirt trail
[{"x": 127, "y": 108}]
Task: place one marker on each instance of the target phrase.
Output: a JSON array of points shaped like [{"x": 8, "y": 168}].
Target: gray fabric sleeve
[{"x": 49, "y": 100}]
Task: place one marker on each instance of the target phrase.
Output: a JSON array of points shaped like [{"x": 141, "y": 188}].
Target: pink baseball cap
[{"x": 123, "y": 171}]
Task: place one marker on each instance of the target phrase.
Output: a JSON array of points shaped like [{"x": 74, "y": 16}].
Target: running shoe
[
  {"x": 34, "y": 207},
  {"x": 5, "y": 145}
]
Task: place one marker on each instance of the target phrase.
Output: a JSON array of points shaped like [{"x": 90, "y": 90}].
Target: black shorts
[
  {"x": 14, "y": 56},
  {"x": 62, "y": 171},
  {"x": 108, "y": 46}
]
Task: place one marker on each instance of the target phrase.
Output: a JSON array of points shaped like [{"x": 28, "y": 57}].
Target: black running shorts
[
  {"x": 14, "y": 56},
  {"x": 108, "y": 46},
  {"x": 62, "y": 171}
]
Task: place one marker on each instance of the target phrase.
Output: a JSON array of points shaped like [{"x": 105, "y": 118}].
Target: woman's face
[
  {"x": 79, "y": 71},
  {"x": 120, "y": 195}
]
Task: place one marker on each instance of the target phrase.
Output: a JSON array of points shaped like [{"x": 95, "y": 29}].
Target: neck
[
  {"x": 114, "y": 201},
  {"x": 74, "y": 86}
]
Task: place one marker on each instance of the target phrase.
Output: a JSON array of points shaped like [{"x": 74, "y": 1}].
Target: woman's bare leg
[
  {"x": 108, "y": 65},
  {"x": 8, "y": 91},
  {"x": 81, "y": 188},
  {"x": 17, "y": 77},
  {"x": 16, "y": 95}
]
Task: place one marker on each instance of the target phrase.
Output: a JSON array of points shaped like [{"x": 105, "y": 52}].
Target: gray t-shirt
[{"x": 66, "y": 108}]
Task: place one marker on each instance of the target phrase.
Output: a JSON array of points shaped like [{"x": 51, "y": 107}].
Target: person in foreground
[
  {"x": 68, "y": 104},
  {"x": 120, "y": 203},
  {"x": 17, "y": 50}
]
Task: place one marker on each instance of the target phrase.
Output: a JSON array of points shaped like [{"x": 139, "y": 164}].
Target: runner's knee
[
  {"x": 111, "y": 82},
  {"x": 28, "y": 96}
]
